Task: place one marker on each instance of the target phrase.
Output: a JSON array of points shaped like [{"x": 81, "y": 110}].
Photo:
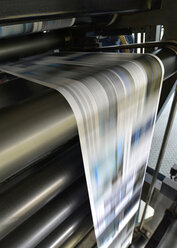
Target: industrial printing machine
[{"x": 43, "y": 193}]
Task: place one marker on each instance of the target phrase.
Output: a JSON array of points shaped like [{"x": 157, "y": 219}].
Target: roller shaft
[
  {"x": 18, "y": 89},
  {"x": 79, "y": 234},
  {"x": 169, "y": 60},
  {"x": 67, "y": 229},
  {"x": 28, "y": 196},
  {"x": 29, "y": 131},
  {"x": 32, "y": 130},
  {"x": 28, "y": 45},
  {"x": 41, "y": 224}
]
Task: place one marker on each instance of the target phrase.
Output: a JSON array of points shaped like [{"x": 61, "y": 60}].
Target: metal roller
[
  {"x": 31, "y": 130},
  {"x": 41, "y": 224},
  {"x": 17, "y": 89},
  {"x": 28, "y": 45},
  {"x": 80, "y": 234},
  {"x": 169, "y": 60},
  {"x": 24, "y": 199},
  {"x": 67, "y": 229}
]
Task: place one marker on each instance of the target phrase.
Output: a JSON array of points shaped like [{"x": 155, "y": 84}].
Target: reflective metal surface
[
  {"x": 41, "y": 224},
  {"x": 43, "y": 9},
  {"x": 28, "y": 196},
  {"x": 31, "y": 130},
  {"x": 69, "y": 227},
  {"x": 170, "y": 238},
  {"x": 169, "y": 60},
  {"x": 80, "y": 234},
  {"x": 17, "y": 89},
  {"x": 28, "y": 45}
]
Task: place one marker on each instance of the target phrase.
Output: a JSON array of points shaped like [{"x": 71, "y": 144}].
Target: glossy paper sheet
[{"x": 114, "y": 98}]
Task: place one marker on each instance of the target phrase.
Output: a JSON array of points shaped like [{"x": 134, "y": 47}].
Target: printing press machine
[{"x": 43, "y": 193}]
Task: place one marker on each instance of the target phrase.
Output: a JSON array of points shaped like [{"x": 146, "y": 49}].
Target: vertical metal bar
[
  {"x": 158, "y": 33},
  {"x": 141, "y": 41},
  {"x": 135, "y": 41},
  {"x": 161, "y": 154}
]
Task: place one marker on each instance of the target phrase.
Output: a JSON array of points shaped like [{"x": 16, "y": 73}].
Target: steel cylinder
[
  {"x": 31, "y": 130},
  {"x": 28, "y": 45},
  {"x": 42, "y": 223},
  {"x": 24, "y": 199},
  {"x": 62, "y": 233}
]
